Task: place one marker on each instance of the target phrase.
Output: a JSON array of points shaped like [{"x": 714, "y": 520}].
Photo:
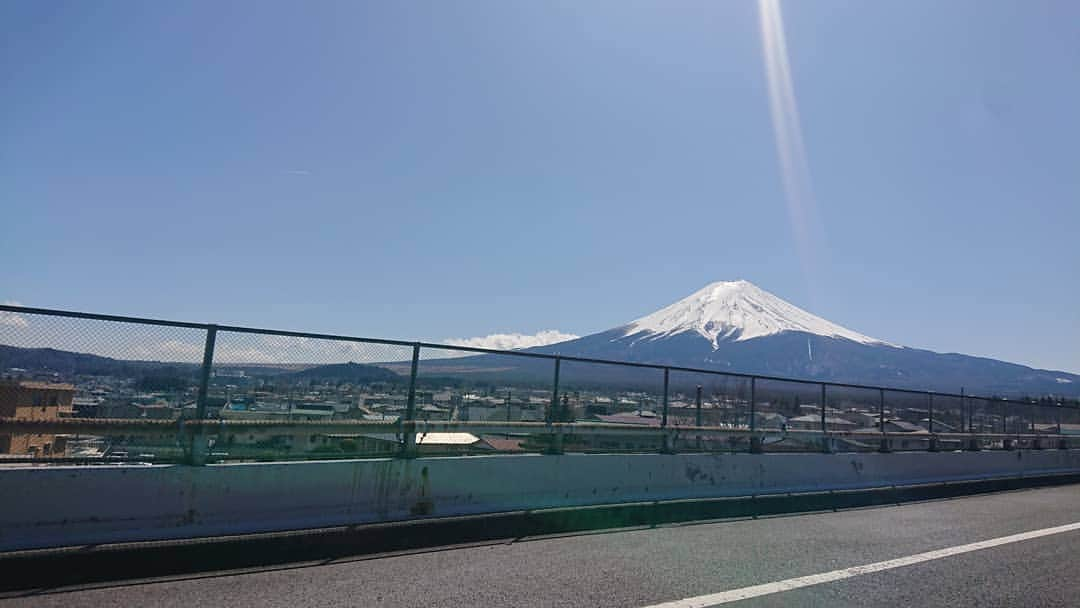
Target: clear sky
[{"x": 455, "y": 169}]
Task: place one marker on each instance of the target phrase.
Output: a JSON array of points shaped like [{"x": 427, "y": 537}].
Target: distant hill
[
  {"x": 38, "y": 360},
  {"x": 355, "y": 373},
  {"x": 72, "y": 363}
]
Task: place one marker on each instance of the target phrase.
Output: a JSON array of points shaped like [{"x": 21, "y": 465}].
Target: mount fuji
[{"x": 737, "y": 326}]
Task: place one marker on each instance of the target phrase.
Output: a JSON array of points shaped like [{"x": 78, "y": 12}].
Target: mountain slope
[
  {"x": 67, "y": 362},
  {"x": 356, "y": 373},
  {"x": 736, "y": 326}
]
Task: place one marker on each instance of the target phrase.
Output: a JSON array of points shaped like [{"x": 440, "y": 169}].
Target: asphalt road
[{"x": 642, "y": 567}]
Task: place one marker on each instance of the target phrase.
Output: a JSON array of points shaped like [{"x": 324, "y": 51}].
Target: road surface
[{"x": 685, "y": 565}]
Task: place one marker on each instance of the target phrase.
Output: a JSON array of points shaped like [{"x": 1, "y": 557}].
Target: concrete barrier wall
[{"x": 60, "y": 506}]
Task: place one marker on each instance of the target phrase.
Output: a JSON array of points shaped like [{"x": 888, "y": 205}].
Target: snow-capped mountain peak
[{"x": 736, "y": 311}]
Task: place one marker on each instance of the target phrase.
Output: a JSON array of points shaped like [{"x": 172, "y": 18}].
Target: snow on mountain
[
  {"x": 736, "y": 311},
  {"x": 738, "y": 327}
]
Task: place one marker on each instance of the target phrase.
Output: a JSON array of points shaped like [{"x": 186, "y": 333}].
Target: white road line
[{"x": 734, "y": 595}]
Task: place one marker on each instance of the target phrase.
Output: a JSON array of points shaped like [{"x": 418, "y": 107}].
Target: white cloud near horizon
[
  {"x": 182, "y": 345},
  {"x": 297, "y": 172},
  {"x": 514, "y": 341},
  {"x": 10, "y": 318}
]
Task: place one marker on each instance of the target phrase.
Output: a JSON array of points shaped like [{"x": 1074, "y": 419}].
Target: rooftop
[{"x": 53, "y": 386}]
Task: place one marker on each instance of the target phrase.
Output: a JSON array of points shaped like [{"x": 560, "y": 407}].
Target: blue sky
[{"x": 455, "y": 169}]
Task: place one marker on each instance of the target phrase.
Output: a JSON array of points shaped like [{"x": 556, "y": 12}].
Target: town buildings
[{"x": 32, "y": 400}]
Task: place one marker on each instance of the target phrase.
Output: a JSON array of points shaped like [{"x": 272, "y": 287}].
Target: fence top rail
[
  {"x": 514, "y": 353},
  {"x": 52, "y": 312},
  {"x": 191, "y": 426}
]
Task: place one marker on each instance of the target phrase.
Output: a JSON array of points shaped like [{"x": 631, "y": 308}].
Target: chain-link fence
[
  {"x": 88, "y": 387},
  {"x": 68, "y": 367},
  {"x": 266, "y": 382}
]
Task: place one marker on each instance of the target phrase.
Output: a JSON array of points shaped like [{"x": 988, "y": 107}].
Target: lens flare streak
[{"x": 795, "y": 171}]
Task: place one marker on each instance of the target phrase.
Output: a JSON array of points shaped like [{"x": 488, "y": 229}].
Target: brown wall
[{"x": 33, "y": 401}]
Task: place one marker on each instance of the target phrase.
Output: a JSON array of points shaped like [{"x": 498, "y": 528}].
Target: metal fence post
[
  {"x": 663, "y": 417},
  {"x": 1020, "y": 428},
  {"x": 408, "y": 427},
  {"x": 669, "y": 444},
  {"x": 697, "y": 417},
  {"x": 199, "y": 447},
  {"x": 755, "y": 441},
  {"x": 885, "y": 447},
  {"x": 963, "y": 413},
  {"x": 969, "y": 408},
  {"x": 1004, "y": 417},
  {"x": 556, "y": 446},
  {"x": 930, "y": 411},
  {"x": 881, "y": 409},
  {"x": 825, "y": 447},
  {"x": 930, "y": 421},
  {"x": 553, "y": 410},
  {"x": 1006, "y": 442},
  {"x": 1035, "y": 442},
  {"x": 1061, "y": 443}
]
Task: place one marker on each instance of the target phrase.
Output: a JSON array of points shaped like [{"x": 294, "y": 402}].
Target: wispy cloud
[
  {"x": 297, "y": 172},
  {"x": 12, "y": 319},
  {"x": 513, "y": 341}
]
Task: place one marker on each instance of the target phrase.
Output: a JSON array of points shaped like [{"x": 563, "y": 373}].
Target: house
[
  {"x": 34, "y": 401},
  {"x": 275, "y": 439},
  {"x": 503, "y": 444},
  {"x": 771, "y": 420},
  {"x": 917, "y": 437},
  {"x": 645, "y": 418},
  {"x": 432, "y": 412},
  {"x": 939, "y": 426},
  {"x": 903, "y": 426},
  {"x": 277, "y": 411},
  {"x": 862, "y": 418},
  {"x": 812, "y": 422},
  {"x": 389, "y": 443}
]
